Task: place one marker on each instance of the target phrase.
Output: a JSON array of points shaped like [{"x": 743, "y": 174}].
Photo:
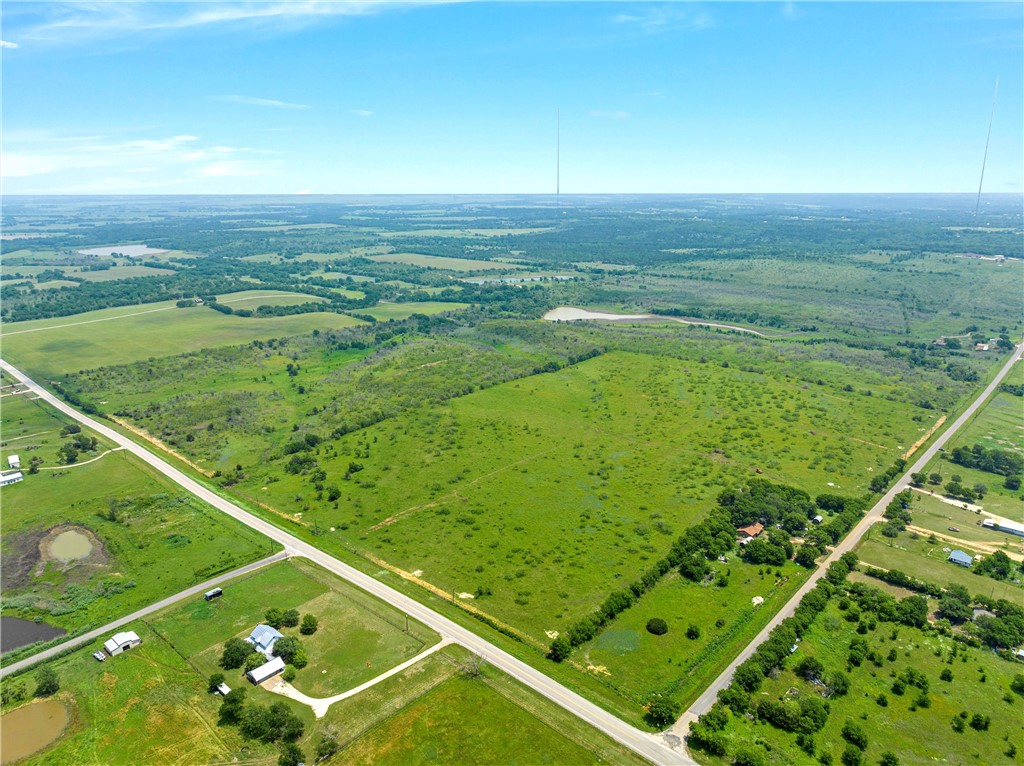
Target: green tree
[
  {"x": 253, "y": 661},
  {"x": 855, "y": 735},
  {"x": 327, "y": 746},
  {"x": 693, "y": 632},
  {"x": 215, "y": 680},
  {"x": 291, "y": 755},
  {"x": 231, "y": 706},
  {"x": 286, "y": 648},
  {"x": 663, "y": 712},
  {"x": 851, "y": 756},
  {"x": 560, "y": 649},
  {"x": 47, "y": 682},
  {"x": 274, "y": 617},
  {"x": 290, "y": 618},
  {"x": 657, "y": 626},
  {"x": 309, "y": 625},
  {"x": 751, "y": 756},
  {"x": 889, "y": 759},
  {"x": 235, "y": 652}
]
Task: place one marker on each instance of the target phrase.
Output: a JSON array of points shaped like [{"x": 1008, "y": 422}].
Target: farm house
[
  {"x": 263, "y": 638},
  {"x": 121, "y": 642},
  {"x": 960, "y": 558}
]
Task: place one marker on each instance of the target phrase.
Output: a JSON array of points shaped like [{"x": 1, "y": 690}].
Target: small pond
[
  {"x": 70, "y": 546},
  {"x": 15, "y": 632},
  {"x": 31, "y": 728}
]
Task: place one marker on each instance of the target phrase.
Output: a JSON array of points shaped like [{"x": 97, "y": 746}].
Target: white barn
[
  {"x": 265, "y": 671},
  {"x": 10, "y": 478},
  {"x": 122, "y": 641},
  {"x": 13, "y": 461}
]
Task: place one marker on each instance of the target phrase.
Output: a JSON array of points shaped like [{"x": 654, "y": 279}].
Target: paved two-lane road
[{"x": 642, "y": 743}]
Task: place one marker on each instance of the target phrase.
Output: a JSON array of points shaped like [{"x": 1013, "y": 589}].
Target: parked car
[
  {"x": 100, "y": 656},
  {"x": 954, "y": 529}
]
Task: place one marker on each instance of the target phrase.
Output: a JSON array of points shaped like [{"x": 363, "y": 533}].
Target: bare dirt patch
[{"x": 46, "y": 553}]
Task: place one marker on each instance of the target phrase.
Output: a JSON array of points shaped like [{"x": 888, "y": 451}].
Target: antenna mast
[{"x": 991, "y": 116}]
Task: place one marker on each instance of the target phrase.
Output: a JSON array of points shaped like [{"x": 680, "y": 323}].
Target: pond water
[
  {"x": 571, "y": 314},
  {"x": 31, "y": 728},
  {"x": 15, "y": 632},
  {"x": 70, "y": 546}
]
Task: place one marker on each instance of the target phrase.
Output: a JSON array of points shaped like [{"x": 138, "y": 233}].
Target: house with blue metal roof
[
  {"x": 960, "y": 558},
  {"x": 263, "y": 638}
]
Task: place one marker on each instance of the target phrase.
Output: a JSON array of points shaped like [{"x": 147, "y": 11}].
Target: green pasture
[
  {"x": 555, "y": 489},
  {"x": 139, "y": 521},
  {"x": 382, "y": 312},
  {"x": 486, "y": 233},
  {"x": 119, "y": 272},
  {"x": 927, "y": 561},
  {"x": 359, "y": 637},
  {"x": 981, "y": 684},
  {"x": 638, "y": 664},
  {"x": 51, "y": 347},
  {"x": 438, "y": 262}
]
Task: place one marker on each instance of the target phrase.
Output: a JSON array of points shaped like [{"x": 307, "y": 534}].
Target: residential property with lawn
[
  {"x": 960, "y": 558},
  {"x": 265, "y": 671},
  {"x": 263, "y": 638}
]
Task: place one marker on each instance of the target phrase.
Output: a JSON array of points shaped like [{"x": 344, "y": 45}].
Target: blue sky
[{"x": 435, "y": 97}]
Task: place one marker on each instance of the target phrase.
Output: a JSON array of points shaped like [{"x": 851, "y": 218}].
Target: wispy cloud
[
  {"x": 253, "y": 101},
  {"x": 69, "y": 21},
  {"x": 7, "y": 44},
  {"x": 361, "y": 112},
  {"x": 653, "y": 21},
  {"x": 613, "y": 115}
]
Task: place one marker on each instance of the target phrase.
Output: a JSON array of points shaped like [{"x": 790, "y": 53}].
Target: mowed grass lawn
[
  {"x": 131, "y": 561},
  {"x": 382, "y": 312},
  {"x": 927, "y": 561},
  {"x": 981, "y": 684},
  {"x": 358, "y": 638},
  {"x": 554, "y": 490},
  {"x": 51, "y": 347}
]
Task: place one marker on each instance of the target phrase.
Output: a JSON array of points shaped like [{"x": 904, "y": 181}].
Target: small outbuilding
[
  {"x": 960, "y": 558},
  {"x": 13, "y": 461},
  {"x": 10, "y": 478},
  {"x": 818, "y": 519},
  {"x": 223, "y": 690},
  {"x": 122, "y": 642},
  {"x": 263, "y": 638},
  {"x": 210, "y": 595},
  {"x": 265, "y": 671}
]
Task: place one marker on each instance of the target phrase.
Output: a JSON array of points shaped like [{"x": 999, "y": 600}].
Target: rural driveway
[
  {"x": 647, "y": 745},
  {"x": 707, "y": 699},
  {"x": 195, "y": 590}
]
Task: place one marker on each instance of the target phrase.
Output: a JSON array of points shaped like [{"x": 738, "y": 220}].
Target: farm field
[
  {"x": 127, "y": 520},
  {"x": 51, "y": 347},
  {"x": 639, "y": 664},
  {"x": 467, "y": 232},
  {"x": 927, "y": 561},
  {"x": 385, "y": 311},
  {"x": 166, "y": 714},
  {"x": 935, "y": 516},
  {"x": 589, "y": 474},
  {"x": 439, "y": 262},
  {"x": 916, "y": 734}
]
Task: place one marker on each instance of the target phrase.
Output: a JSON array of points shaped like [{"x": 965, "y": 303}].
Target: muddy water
[
  {"x": 70, "y": 546},
  {"x": 31, "y": 728},
  {"x": 15, "y": 632}
]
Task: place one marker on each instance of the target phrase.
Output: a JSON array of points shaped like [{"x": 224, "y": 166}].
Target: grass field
[
  {"x": 438, "y": 262},
  {"x": 467, "y": 232},
  {"x": 359, "y": 637},
  {"x": 927, "y": 561},
  {"x": 127, "y": 567},
  {"x": 385, "y": 311},
  {"x": 162, "y": 712},
  {"x": 553, "y": 490},
  {"x": 933, "y": 515},
  {"x": 639, "y": 664},
  {"x": 51, "y": 347},
  {"x": 980, "y": 684}
]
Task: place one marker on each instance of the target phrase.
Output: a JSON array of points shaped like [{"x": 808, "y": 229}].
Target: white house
[
  {"x": 10, "y": 478},
  {"x": 263, "y": 638},
  {"x": 265, "y": 671},
  {"x": 122, "y": 641},
  {"x": 13, "y": 461}
]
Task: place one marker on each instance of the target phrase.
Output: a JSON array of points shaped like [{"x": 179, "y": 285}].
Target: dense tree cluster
[{"x": 998, "y": 461}]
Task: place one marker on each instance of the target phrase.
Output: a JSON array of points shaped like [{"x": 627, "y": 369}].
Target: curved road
[
  {"x": 647, "y": 745},
  {"x": 674, "y": 735}
]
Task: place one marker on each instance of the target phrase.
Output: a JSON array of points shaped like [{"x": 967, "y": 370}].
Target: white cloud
[
  {"x": 7, "y": 44},
  {"x": 361, "y": 112},
  {"x": 252, "y": 101},
  {"x": 652, "y": 21},
  {"x": 77, "y": 21},
  {"x": 614, "y": 115}
]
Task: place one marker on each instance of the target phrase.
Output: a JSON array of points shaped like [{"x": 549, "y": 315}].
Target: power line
[{"x": 988, "y": 137}]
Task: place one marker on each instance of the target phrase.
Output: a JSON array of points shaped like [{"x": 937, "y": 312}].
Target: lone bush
[{"x": 657, "y": 626}]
